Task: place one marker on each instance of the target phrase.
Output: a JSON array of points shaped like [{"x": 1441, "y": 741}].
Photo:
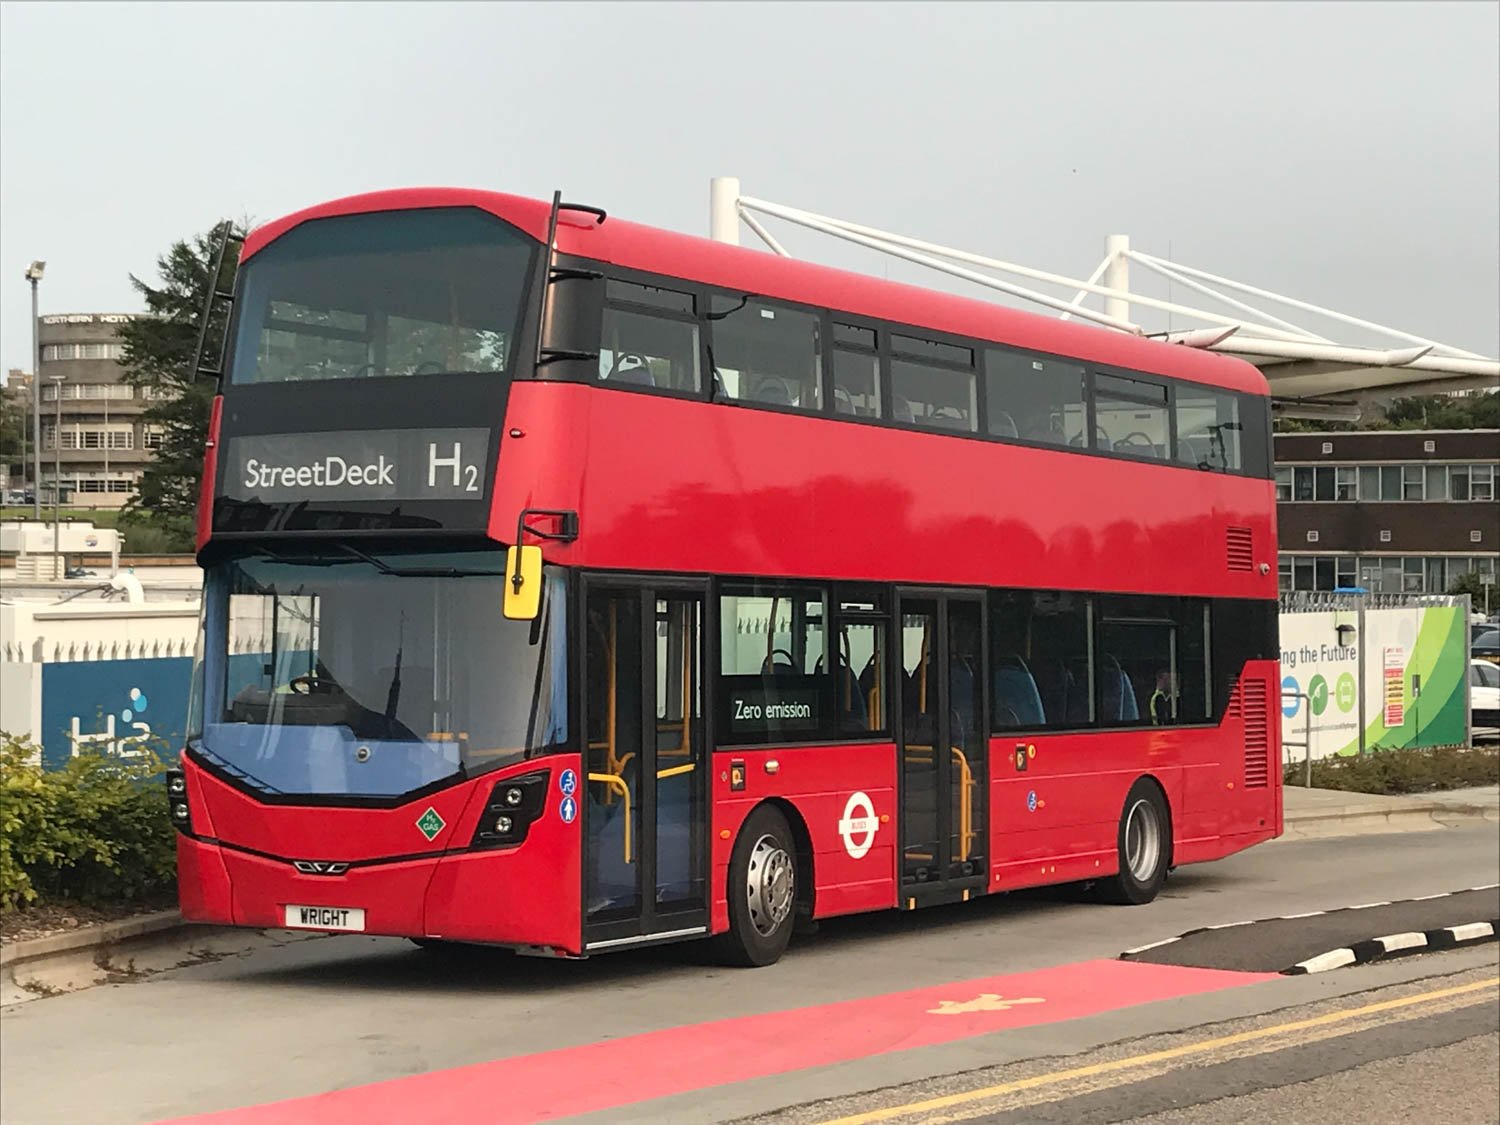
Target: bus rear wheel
[
  {"x": 762, "y": 892},
  {"x": 1145, "y": 847}
]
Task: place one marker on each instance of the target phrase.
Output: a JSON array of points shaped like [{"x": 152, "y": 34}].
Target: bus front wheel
[
  {"x": 762, "y": 891},
  {"x": 1145, "y": 847}
]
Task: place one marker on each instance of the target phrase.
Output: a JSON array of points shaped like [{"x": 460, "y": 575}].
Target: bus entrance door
[
  {"x": 942, "y": 746},
  {"x": 645, "y": 819}
]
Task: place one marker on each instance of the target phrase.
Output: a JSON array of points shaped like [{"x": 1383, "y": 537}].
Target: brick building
[{"x": 1387, "y": 510}]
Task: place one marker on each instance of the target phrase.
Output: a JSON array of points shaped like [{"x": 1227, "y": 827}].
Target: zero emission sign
[{"x": 420, "y": 464}]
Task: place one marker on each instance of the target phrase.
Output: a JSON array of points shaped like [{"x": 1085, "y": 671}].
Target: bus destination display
[{"x": 418, "y": 464}]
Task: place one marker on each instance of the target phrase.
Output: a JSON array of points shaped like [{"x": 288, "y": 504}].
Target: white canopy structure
[{"x": 1311, "y": 375}]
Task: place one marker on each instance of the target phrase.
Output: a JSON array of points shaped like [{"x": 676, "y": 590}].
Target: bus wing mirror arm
[{"x": 523, "y": 562}]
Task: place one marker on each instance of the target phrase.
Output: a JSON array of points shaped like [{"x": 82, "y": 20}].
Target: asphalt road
[
  {"x": 339, "y": 1012},
  {"x": 1426, "y": 1050}
]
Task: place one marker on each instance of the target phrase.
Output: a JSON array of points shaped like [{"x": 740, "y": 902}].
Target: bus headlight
[
  {"x": 177, "y": 801},
  {"x": 514, "y": 805}
]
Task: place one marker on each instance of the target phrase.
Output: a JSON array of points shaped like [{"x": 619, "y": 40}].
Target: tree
[
  {"x": 158, "y": 354},
  {"x": 15, "y": 435},
  {"x": 1423, "y": 412},
  {"x": 1472, "y": 585}
]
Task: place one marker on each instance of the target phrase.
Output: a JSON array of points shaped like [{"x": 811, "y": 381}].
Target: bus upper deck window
[
  {"x": 422, "y": 292},
  {"x": 765, "y": 354}
]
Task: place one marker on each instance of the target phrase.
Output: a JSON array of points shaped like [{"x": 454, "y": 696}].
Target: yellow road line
[{"x": 892, "y": 1112}]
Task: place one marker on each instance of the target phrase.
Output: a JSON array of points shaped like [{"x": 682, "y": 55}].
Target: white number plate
[{"x": 325, "y": 918}]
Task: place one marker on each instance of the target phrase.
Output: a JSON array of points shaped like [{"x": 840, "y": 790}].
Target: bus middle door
[
  {"x": 645, "y": 820},
  {"x": 944, "y": 772}
]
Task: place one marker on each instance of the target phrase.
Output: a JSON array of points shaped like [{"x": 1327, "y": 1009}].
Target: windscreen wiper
[{"x": 419, "y": 571}]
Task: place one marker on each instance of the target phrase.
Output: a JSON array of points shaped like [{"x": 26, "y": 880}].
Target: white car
[{"x": 1484, "y": 693}]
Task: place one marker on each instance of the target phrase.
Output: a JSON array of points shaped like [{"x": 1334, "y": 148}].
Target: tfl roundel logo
[{"x": 859, "y": 825}]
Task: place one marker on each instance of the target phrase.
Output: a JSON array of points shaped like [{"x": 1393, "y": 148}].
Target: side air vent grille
[
  {"x": 1234, "y": 710},
  {"x": 1257, "y": 734},
  {"x": 1239, "y": 549}
]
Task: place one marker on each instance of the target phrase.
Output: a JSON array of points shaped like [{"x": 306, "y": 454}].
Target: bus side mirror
[{"x": 523, "y": 583}]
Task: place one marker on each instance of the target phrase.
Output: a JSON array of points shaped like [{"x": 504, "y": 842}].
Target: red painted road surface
[{"x": 552, "y": 1084}]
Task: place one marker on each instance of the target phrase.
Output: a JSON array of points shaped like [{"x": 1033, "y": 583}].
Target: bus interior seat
[
  {"x": 901, "y": 410},
  {"x": 1003, "y": 425},
  {"x": 1052, "y": 680},
  {"x": 773, "y": 392},
  {"x": 674, "y": 823},
  {"x": 1129, "y": 708},
  {"x": 638, "y": 373},
  {"x": 961, "y": 699},
  {"x": 853, "y": 715},
  {"x": 1116, "y": 696},
  {"x": 1079, "y": 707},
  {"x": 1015, "y": 698}
]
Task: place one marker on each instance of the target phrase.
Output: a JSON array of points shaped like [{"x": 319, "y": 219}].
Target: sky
[{"x": 1344, "y": 153}]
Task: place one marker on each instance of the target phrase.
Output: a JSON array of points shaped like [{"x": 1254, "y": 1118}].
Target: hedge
[
  {"x": 1395, "y": 772},
  {"x": 94, "y": 832}
]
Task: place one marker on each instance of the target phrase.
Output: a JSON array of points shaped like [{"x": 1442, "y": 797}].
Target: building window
[
  {"x": 1437, "y": 482},
  {"x": 1346, "y": 483},
  {"x": 1412, "y": 481},
  {"x": 53, "y": 353},
  {"x": 1369, "y": 483},
  {"x": 1283, "y": 484},
  {"x": 1302, "y": 483},
  {"x": 151, "y": 437},
  {"x": 1482, "y": 482}
]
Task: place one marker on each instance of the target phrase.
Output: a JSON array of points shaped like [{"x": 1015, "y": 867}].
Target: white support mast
[{"x": 1299, "y": 364}]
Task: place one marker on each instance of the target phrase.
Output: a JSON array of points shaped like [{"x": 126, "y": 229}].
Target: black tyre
[
  {"x": 762, "y": 892},
  {"x": 1145, "y": 847}
]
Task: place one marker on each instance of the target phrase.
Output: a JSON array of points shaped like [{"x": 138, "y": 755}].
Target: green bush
[
  {"x": 95, "y": 831},
  {"x": 1395, "y": 772}
]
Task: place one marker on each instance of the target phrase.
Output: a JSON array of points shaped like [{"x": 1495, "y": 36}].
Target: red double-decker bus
[{"x": 832, "y": 595}]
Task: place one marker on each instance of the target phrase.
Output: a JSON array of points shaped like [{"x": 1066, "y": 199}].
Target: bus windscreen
[{"x": 364, "y": 675}]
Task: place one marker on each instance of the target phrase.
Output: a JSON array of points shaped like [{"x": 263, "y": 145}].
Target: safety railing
[{"x": 1305, "y": 706}]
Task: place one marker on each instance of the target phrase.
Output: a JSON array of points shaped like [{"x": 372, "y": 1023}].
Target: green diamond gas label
[{"x": 430, "y": 824}]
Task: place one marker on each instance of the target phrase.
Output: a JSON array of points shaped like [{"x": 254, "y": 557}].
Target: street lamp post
[
  {"x": 34, "y": 274},
  {"x": 56, "y": 483}
]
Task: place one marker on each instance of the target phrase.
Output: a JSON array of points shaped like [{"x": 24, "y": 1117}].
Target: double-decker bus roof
[{"x": 653, "y": 250}]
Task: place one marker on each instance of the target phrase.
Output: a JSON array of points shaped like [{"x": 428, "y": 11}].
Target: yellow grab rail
[
  {"x": 617, "y": 784},
  {"x": 965, "y": 806}
]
